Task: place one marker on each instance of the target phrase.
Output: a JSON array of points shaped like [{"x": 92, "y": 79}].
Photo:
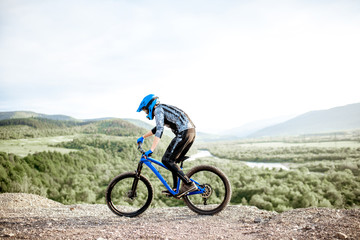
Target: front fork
[{"x": 132, "y": 193}]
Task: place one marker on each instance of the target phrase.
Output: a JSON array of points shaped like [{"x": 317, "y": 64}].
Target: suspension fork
[{"x": 132, "y": 194}]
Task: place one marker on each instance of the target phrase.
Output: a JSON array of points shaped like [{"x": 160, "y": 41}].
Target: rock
[
  {"x": 340, "y": 235},
  {"x": 257, "y": 220},
  {"x": 309, "y": 227},
  {"x": 8, "y": 235}
]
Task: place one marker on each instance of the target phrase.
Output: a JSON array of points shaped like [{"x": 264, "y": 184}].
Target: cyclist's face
[{"x": 146, "y": 111}]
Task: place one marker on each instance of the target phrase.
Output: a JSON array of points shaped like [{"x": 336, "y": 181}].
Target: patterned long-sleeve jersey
[{"x": 174, "y": 118}]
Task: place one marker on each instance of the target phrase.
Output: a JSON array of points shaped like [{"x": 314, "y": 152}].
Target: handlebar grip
[{"x": 140, "y": 148}]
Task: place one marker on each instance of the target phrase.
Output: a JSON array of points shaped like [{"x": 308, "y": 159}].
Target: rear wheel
[
  {"x": 123, "y": 201},
  {"x": 217, "y": 192}
]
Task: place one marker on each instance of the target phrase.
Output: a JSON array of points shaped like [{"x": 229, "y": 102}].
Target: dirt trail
[{"x": 27, "y": 216}]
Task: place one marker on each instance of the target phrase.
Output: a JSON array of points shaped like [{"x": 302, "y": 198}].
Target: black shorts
[{"x": 179, "y": 146}]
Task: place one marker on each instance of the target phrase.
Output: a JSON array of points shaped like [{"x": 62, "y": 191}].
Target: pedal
[{"x": 166, "y": 193}]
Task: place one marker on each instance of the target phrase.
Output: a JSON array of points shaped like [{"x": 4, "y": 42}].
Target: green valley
[{"x": 73, "y": 161}]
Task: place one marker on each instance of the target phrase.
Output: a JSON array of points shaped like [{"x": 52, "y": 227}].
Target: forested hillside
[
  {"x": 321, "y": 174},
  {"x": 42, "y": 127},
  {"x": 102, "y": 150},
  {"x": 29, "y": 114}
]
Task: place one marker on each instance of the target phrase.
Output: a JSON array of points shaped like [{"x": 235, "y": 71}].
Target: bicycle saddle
[{"x": 182, "y": 159}]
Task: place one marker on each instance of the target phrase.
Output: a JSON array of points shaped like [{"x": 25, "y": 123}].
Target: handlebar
[{"x": 140, "y": 148}]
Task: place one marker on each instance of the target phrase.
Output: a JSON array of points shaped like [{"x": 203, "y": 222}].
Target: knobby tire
[
  {"x": 117, "y": 195},
  {"x": 220, "y": 185}
]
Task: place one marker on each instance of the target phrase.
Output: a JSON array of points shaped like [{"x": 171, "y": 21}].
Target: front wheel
[
  {"x": 123, "y": 201},
  {"x": 217, "y": 192}
]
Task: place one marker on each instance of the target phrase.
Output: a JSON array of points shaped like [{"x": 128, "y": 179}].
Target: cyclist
[{"x": 183, "y": 128}]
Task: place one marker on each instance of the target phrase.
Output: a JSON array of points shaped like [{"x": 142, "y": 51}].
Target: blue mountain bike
[{"x": 130, "y": 194}]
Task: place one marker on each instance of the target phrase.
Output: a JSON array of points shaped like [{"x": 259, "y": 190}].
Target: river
[{"x": 206, "y": 153}]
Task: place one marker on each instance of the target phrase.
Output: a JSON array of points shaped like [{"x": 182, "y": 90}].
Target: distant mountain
[
  {"x": 336, "y": 119},
  {"x": 97, "y": 119},
  {"x": 139, "y": 123},
  {"x": 323, "y": 121},
  {"x": 147, "y": 126},
  {"x": 252, "y": 127},
  {"x": 208, "y": 137},
  {"x": 29, "y": 114},
  {"x": 200, "y": 136}
]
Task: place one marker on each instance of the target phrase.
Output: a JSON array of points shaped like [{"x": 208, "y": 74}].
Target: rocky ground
[{"x": 26, "y": 216}]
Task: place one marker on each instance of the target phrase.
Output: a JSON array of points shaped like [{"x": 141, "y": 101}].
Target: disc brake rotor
[{"x": 208, "y": 191}]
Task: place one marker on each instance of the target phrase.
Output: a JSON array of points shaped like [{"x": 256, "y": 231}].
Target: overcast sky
[{"x": 225, "y": 63}]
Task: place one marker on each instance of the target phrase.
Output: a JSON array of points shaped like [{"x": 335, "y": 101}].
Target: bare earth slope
[{"x": 27, "y": 216}]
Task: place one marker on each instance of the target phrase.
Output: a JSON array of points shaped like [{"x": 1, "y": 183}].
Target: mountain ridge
[
  {"x": 252, "y": 127},
  {"x": 341, "y": 118},
  {"x": 30, "y": 114},
  {"x": 336, "y": 119}
]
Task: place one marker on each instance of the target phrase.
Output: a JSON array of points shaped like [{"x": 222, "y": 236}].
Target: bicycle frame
[{"x": 147, "y": 161}]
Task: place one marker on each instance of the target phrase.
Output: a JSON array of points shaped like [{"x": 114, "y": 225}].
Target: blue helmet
[{"x": 148, "y": 103}]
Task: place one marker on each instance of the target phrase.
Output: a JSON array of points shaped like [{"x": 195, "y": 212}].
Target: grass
[{"x": 23, "y": 147}]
